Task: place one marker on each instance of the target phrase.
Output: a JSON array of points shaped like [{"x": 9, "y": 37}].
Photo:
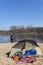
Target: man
[{"x": 11, "y": 38}]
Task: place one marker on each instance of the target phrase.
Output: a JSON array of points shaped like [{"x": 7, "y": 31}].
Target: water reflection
[{"x": 6, "y": 38}]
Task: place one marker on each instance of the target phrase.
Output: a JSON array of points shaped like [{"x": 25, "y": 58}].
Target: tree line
[
  {"x": 27, "y": 31},
  {"x": 24, "y": 32}
]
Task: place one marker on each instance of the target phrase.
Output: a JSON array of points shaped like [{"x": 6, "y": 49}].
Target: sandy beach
[{"x": 6, "y": 47}]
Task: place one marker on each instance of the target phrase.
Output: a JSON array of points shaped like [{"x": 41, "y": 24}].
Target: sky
[{"x": 21, "y": 12}]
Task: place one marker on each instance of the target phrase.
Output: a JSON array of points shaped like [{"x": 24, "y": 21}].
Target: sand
[{"x": 4, "y": 60}]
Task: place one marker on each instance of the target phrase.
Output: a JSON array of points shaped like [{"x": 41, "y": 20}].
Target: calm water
[{"x": 6, "y": 39}]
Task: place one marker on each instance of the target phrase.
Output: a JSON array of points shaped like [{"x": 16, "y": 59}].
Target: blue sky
[{"x": 21, "y": 12}]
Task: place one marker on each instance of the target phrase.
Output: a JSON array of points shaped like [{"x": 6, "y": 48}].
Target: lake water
[{"x": 6, "y": 39}]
